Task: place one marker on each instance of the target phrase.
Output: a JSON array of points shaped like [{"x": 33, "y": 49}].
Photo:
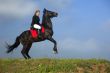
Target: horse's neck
[{"x": 47, "y": 23}]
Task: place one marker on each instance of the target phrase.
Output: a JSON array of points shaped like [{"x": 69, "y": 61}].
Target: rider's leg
[{"x": 38, "y": 27}]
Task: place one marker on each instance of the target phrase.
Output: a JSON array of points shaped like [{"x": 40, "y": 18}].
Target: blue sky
[{"x": 82, "y": 28}]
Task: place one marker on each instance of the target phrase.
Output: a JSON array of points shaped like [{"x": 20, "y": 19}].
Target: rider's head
[{"x": 37, "y": 13}]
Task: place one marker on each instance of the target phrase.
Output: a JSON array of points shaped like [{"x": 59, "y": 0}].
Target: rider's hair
[{"x": 36, "y": 12}]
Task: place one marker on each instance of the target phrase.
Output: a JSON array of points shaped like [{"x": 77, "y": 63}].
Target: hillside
[{"x": 54, "y": 66}]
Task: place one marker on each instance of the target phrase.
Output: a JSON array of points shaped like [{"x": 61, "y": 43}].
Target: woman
[{"x": 36, "y": 21}]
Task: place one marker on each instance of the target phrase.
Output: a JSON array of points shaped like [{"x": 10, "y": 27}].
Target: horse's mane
[{"x": 46, "y": 21}]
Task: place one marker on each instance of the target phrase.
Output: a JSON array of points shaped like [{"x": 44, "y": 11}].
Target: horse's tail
[{"x": 15, "y": 45}]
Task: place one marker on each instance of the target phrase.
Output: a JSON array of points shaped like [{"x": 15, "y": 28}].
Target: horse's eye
[{"x": 50, "y": 14}]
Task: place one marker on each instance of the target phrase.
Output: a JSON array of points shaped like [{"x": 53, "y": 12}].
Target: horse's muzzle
[{"x": 55, "y": 14}]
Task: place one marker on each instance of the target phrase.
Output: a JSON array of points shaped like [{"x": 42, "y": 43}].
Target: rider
[{"x": 36, "y": 22}]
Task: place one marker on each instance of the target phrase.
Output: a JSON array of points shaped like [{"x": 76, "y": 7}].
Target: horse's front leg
[{"x": 55, "y": 45}]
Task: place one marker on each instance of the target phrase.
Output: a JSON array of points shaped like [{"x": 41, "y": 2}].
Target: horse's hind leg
[
  {"x": 27, "y": 50},
  {"x": 23, "y": 52}
]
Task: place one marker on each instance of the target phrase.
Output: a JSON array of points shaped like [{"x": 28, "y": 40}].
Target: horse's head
[
  {"x": 47, "y": 15},
  {"x": 50, "y": 14}
]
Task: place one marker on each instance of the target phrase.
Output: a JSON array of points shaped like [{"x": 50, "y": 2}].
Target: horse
[{"x": 26, "y": 39}]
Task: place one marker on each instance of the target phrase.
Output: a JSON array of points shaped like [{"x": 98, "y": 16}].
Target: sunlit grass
[{"x": 46, "y": 65}]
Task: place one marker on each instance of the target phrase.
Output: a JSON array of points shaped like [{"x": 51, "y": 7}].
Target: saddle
[{"x": 34, "y": 32}]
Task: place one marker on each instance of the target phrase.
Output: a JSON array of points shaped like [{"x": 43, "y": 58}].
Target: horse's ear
[{"x": 44, "y": 10}]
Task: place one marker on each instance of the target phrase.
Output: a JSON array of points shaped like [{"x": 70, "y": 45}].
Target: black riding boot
[{"x": 39, "y": 33}]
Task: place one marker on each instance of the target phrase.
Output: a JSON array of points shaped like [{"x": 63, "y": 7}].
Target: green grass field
[{"x": 54, "y": 66}]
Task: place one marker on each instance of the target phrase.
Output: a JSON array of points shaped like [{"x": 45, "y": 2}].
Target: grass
[{"x": 46, "y": 65}]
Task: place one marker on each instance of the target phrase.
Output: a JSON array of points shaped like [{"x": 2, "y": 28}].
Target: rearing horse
[{"x": 26, "y": 38}]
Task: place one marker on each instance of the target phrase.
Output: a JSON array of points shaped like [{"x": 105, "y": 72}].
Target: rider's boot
[{"x": 39, "y": 33}]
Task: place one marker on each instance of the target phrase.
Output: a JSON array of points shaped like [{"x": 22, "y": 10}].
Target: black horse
[{"x": 26, "y": 38}]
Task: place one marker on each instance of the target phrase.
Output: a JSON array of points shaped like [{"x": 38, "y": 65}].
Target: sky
[{"x": 82, "y": 28}]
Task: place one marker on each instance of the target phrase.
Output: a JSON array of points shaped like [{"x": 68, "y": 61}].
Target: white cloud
[
  {"x": 16, "y": 8},
  {"x": 71, "y": 43},
  {"x": 12, "y": 9}
]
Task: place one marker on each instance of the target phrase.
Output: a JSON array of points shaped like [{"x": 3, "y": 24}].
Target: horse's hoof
[{"x": 55, "y": 52}]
